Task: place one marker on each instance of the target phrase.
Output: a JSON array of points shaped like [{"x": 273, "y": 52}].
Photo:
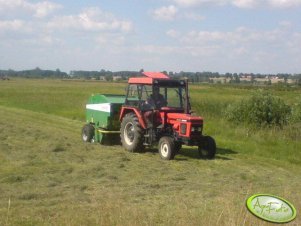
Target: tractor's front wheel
[
  {"x": 88, "y": 133},
  {"x": 131, "y": 133},
  {"x": 207, "y": 148},
  {"x": 167, "y": 148}
]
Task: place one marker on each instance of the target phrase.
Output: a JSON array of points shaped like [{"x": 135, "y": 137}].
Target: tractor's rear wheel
[
  {"x": 131, "y": 133},
  {"x": 207, "y": 148},
  {"x": 88, "y": 133},
  {"x": 167, "y": 148}
]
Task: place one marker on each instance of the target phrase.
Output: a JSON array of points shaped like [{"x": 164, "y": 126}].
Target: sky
[{"x": 248, "y": 36}]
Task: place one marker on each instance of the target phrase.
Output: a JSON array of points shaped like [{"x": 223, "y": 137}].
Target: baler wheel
[
  {"x": 207, "y": 148},
  {"x": 167, "y": 148},
  {"x": 88, "y": 133},
  {"x": 131, "y": 133}
]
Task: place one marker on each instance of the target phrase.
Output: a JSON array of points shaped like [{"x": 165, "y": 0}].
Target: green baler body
[{"x": 103, "y": 111}]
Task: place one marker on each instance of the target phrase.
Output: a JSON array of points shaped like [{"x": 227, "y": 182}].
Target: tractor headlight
[
  {"x": 196, "y": 129},
  {"x": 183, "y": 129}
]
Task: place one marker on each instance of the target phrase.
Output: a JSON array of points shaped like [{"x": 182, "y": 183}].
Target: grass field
[{"x": 48, "y": 176}]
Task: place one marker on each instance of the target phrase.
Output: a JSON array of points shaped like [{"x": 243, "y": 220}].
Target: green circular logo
[{"x": 271, "y": 208}]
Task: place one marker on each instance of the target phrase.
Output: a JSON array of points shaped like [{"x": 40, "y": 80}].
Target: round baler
[{"x": 102, "y": 118}]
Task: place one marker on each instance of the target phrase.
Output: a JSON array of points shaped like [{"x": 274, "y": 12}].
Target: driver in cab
[{"x": 155, "y": 101}]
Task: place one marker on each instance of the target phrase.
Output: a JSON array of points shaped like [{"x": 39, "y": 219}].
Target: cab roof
[{"x": 149, "y": 78}]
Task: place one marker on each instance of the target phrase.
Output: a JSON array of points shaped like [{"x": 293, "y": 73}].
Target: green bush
[{"x": 261, "y": 109}]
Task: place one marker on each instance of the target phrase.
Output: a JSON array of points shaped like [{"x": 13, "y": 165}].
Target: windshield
[
  {"x": 156, "y": 97},
  {"x": 174, "y": 96}
]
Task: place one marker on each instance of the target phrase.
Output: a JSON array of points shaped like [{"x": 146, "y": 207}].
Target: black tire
[
  {"x": 88, "y": 133},
  {"x": 131, "y": 133},
  {"x": 166, "y": 148},
  {"x": 207, "y": 148}
]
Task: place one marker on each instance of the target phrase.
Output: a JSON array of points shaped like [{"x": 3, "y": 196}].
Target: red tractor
[{"x": 157, "y": 110}]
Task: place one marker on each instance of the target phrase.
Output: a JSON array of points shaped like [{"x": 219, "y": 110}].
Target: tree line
[
  {"x": 34, "y": 73},
  {"x": 124, "y": 75}
]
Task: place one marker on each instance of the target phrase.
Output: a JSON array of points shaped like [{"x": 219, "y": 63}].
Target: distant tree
[
  {"x": 58, "y": 72},
  {"x": 165, "y": 72},
  {"x": 109, "y": 77},
  {"x": 228, "y": 75},
  {"x": 285, "y": 79},
  {"x": 235, "y": 78},
  {"x": 253, "y": 78}
]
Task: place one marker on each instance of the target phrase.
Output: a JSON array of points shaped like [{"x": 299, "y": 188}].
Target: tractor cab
[{"x": 161, "y": 94}]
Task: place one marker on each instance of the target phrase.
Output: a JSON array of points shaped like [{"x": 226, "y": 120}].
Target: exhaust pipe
[{"x": 187, "y": 104}]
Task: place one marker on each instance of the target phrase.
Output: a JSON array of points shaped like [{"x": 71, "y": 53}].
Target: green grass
[
  {"x": 48, "y": 176},
  {"x": 63, "y": 98}
]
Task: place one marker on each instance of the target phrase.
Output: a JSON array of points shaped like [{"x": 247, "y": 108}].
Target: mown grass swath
[{"x": 48, "y": 176}]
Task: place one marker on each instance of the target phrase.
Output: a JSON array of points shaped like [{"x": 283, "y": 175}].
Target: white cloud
[
  {"x": 9, "y": 5},
  {"x": 172, "y": 33},
  {"x": 39, "y": 9},
  {"x": 91, "y": 19},
  {"x": 240, "y": 3},
  {"x": 42, "y": 9},
  {"x": 91, "y": 27},
  {"x": 110, "y": 39},
  {"x": 193, "y": 3},
  {"x": 155, "y": 49},
  {"x": 11, "y": 25},
  {"x": 167, "y": 13},
  {"x": 14, "y": 29},
  {"x": 270, "y": 50},
  {"x": 239, "y": 37},
  {"x": 245, "y": 3},
  {"x": 170, "y": 13},
  {"x": 193, "y": 16},
  {"x": 284, "y": 3}
]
